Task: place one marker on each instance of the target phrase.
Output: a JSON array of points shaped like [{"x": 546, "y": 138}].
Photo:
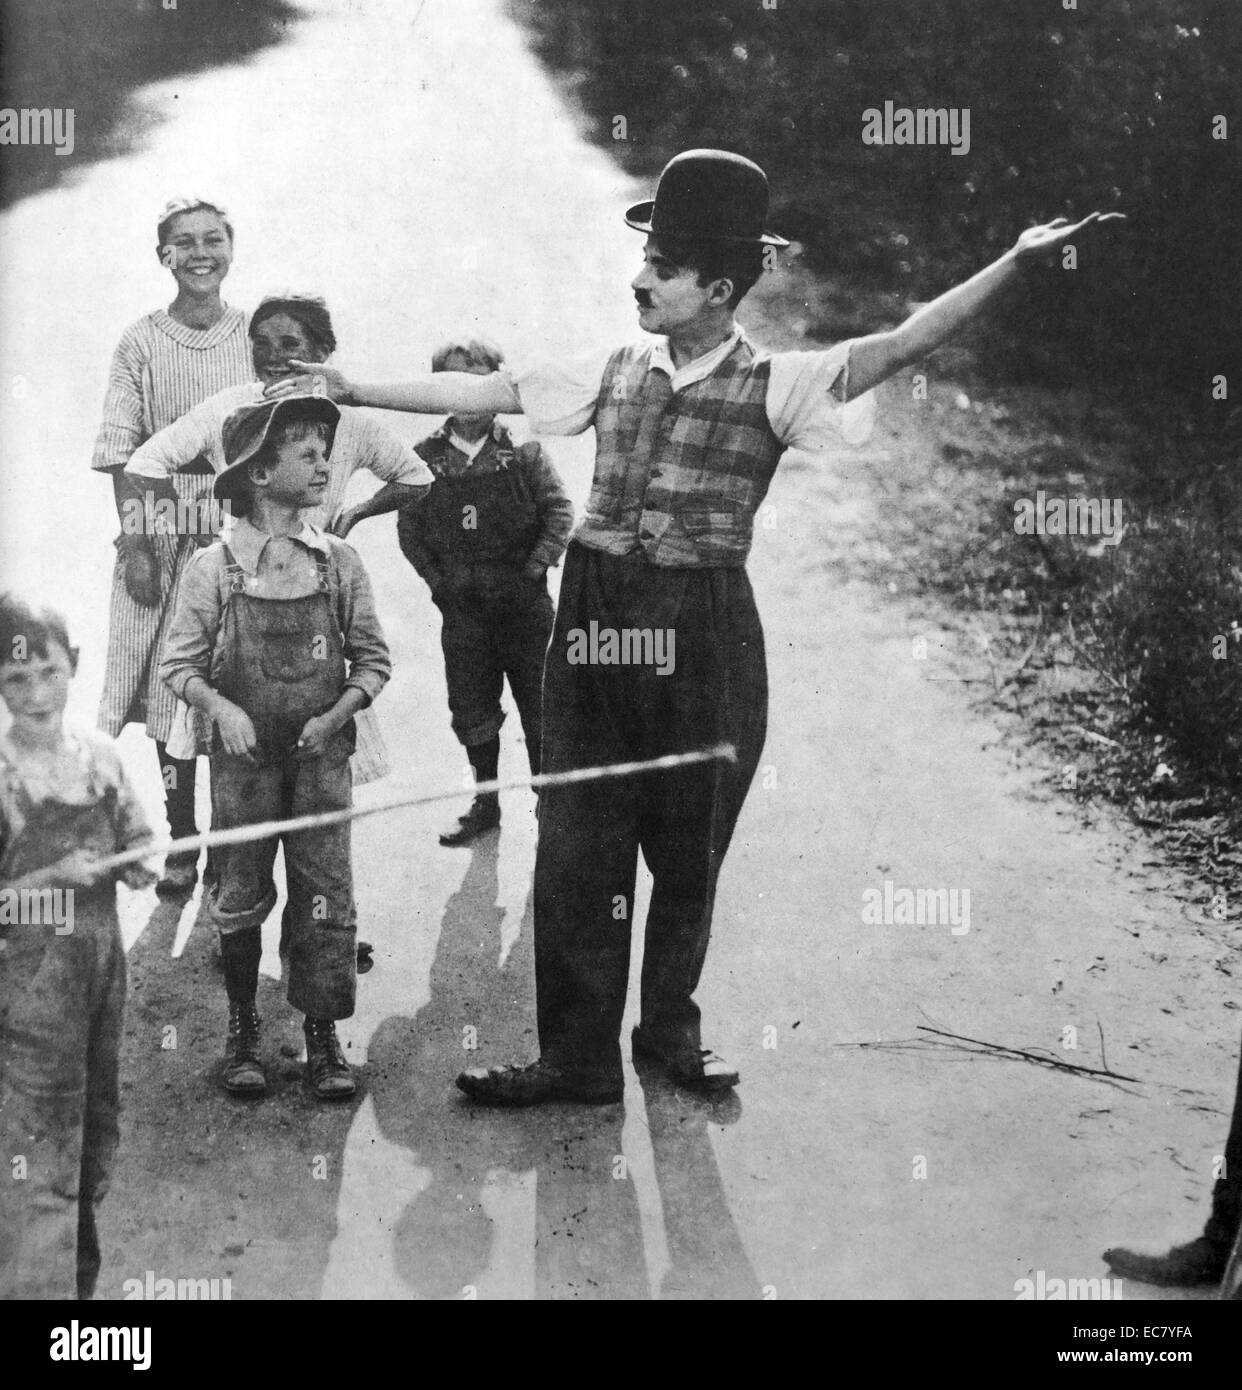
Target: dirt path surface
[{"x": 417, "y": 168}]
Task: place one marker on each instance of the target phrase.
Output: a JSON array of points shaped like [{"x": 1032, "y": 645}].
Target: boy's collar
[
  {"x": 246, "y": 541},
  {"x": 497, "y": 433}
]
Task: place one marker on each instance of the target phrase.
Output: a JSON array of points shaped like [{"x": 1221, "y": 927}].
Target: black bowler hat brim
[{"x": 639, "y": 217}]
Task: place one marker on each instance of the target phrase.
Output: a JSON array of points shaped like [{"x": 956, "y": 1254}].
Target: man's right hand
[
  {"x": 313, "y": 379},
  {"x": 142, "y": 573},
  {"x": 237, "y": 733}
]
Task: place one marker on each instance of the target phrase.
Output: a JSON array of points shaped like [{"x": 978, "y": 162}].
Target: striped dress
[{"x": 160, "y": 370}]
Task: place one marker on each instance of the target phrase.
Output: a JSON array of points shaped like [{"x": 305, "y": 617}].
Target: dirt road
[{"x": 418, "y": 169}]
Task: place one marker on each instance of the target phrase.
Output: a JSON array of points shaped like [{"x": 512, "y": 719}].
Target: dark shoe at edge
[
  {"x": 700, "y": 1070},
  {"x": 483, "y": 815},
  {"x": 533, "y": 1085},
  {"x": 1184, "y": 1266},
  {"x": 179, "y": 877}
]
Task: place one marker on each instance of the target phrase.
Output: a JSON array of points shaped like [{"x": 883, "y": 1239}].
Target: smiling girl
[{"x": 166, "y": 363}]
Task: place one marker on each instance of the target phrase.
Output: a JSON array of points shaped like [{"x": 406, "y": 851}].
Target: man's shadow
[{"x": 588, "y": 1232}]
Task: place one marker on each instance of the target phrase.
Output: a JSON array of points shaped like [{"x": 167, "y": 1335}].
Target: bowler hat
[
  {"x": 708, "y": 195},
  {"x": 247, "y": 428}
]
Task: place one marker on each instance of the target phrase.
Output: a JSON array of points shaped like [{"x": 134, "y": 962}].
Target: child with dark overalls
[
  {"x": 496, "y": 519},
  {"x": 275, "y": 638},
  {"x": 65, "y": 804}
]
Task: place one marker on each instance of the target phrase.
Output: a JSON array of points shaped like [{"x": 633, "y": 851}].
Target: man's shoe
[
  {"x": 243, "y": 1072},
  {"x": 697, "y": 1069},
  {"x": 179, "y": 877},
  {"x": 533, "y": 1085},
  {"x": 1185, "y": 1266},
  {"x": 326, "y": 1067},
  {"x": 483, "y": 815}
]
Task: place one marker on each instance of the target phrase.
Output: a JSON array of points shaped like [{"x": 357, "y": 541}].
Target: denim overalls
[
  {"x": 496, "y": 622},
  {"x": 283, "y": 662},
  {"x": 62, "y": 1004}
]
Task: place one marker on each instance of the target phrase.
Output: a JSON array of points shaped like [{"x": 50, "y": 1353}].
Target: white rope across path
[{"x": 263, "y": 830}]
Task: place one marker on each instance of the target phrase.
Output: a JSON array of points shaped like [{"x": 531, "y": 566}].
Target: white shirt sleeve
[
  {"x": 195, "y": 433},
  {"x": 390, "y": 459},
  {"x": 559, "y": 397},
  {"x": 806, "y": 401}
]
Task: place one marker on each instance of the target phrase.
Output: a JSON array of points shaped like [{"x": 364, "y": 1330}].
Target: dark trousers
[
  {"x": 682, "y": 821},
  {"x": 492, "y": 631},
  {"x": 1222, "y": 1226}
]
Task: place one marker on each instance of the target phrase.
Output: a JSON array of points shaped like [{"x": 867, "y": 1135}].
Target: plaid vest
[{"x": 680, "y": 475}]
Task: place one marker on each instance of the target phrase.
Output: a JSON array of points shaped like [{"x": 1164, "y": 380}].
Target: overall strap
[
  {"x": 330, "y": 584},
  {"x": 324, "y": 567},
  {"x": 232, "y": 581},
  {"x": 233, "y": 572}
]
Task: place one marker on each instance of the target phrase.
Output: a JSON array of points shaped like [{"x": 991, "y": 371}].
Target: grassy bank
[
  {"x": 89, "y": 56},
  {"x": 1121, "y": 661},
  {"x": 1121, "y": 655}
]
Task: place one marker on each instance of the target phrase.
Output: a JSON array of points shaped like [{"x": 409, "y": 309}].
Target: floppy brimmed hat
[
  {"x": 247, "y": 428},
  {"x": 708, "y": 195}
]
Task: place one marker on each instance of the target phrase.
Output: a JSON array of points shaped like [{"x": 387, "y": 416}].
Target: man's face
[
  {"x": 36, "y": 689},
  {"x": 297, "y": 471},
  {"x": 670, "y": 299},
  {"x": 276, "y": 342},
  {"x": 198, "y": 250}
]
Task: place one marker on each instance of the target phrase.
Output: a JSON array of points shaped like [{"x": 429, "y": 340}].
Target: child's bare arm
[
  {"x": 438, "y": 393},
  {"x": 875, "y": 358}
]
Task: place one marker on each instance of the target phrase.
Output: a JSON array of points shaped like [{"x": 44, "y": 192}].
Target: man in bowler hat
[{"x": 690, "y": 424}]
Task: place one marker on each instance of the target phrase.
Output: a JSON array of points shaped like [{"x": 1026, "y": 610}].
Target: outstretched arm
[
  {"x": 875, "y": 358},
  {"x": 439, "y": 393}
]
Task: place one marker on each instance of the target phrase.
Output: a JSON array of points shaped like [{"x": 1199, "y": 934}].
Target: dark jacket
[{"x": 505, "y": 510}]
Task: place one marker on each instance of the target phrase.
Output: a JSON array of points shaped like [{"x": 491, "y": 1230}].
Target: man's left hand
[{"x": 1042, "y": 243}]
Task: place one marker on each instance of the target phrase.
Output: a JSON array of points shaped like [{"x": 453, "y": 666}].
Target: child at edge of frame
[
  {"x": 275, "y": 638},
  {"x": 65, "y": 804}
]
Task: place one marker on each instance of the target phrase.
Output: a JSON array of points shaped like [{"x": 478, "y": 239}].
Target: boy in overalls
[
  {"x": 496, "y": 519},
  {"x": 276, "y": 640},
  {"x": 65, "y": 803}
]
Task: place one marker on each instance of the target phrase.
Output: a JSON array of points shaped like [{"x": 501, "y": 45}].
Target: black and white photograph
[{"x": 621, "y": 662}]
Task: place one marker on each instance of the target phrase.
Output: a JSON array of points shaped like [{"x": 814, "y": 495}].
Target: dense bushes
[{"x": 1109, "y": 105}]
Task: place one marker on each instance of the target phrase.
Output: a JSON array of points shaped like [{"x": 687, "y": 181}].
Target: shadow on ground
[
  {"x": 588, "y": 1233},
  {"x": 208, "y": 1185}
]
